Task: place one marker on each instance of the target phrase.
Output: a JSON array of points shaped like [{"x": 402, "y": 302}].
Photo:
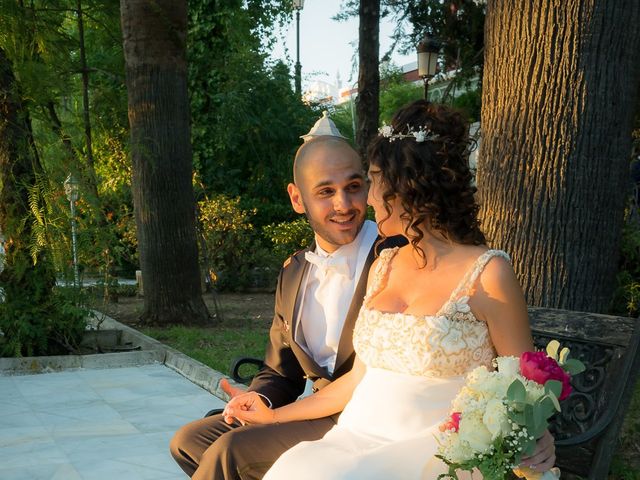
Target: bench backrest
[{"x": 587, "y": 428}]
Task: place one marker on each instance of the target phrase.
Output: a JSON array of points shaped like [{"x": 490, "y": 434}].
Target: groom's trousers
[{"x": 211, "y": 449}]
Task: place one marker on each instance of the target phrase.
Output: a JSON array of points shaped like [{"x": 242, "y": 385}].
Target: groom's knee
[{"x": 223, "y": 459}]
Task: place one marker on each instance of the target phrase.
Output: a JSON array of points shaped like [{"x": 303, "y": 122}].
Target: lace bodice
[{"x": 449, "y": 343}]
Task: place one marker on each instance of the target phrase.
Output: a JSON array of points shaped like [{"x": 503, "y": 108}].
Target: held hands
[{"x": 248, "y": 408}]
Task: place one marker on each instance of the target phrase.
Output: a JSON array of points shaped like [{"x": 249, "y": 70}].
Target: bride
[{"x": 435, "y": 309}]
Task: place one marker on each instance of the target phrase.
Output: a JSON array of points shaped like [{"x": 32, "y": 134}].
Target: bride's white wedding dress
[{"x": 415, "y": 365}]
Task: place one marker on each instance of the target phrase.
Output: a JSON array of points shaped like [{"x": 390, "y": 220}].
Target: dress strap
[
  {"x": 380, "y": 272},
  {"x": 469, "y": 279}
]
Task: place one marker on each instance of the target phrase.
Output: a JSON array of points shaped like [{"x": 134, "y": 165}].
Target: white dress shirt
[{"x": 327, "y": 291}]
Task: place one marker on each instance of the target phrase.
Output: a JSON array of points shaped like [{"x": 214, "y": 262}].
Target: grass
[
  {"x": 626, "y": 462},
  {"x": 216, "y": 347}
]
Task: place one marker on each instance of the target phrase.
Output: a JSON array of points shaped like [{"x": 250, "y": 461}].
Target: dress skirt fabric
[{"x": 388, "y": 430}]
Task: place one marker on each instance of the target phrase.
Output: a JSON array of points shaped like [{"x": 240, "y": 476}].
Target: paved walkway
[{"x": 89, "y": 424}]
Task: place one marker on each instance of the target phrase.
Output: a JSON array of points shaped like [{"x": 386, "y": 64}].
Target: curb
[{"x": 152, "y": 351}]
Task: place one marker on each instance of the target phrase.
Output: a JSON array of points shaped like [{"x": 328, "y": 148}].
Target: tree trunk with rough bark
[
  {"x": 559, "y": 93},
  {"x": 155, "y": 53},
  {"x": 368, "y": 100}
]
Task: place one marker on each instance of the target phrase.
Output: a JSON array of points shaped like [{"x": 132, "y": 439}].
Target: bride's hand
[
  {"x": 248, "y": 408},
  {"x": 544, "y": 456}
]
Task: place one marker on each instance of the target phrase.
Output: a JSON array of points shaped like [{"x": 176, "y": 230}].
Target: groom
[{"x": 318, "y": 297}]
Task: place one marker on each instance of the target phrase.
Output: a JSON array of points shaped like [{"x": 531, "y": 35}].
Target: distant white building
[{"x": 438, "y": 85}]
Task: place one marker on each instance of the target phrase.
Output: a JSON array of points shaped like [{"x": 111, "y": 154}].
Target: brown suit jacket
[{"x": 287, "y": 365}]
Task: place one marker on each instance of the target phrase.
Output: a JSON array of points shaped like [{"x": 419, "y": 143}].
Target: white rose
[
  {"x": 508, "y": 366},
  {"x": 495, "y": 418},
  {"x": 496, "y": 385},
  {"x": 473, "y": 431}
]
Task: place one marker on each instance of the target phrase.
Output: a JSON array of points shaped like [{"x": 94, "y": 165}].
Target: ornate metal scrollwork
[{"x": 588, "y": 398}]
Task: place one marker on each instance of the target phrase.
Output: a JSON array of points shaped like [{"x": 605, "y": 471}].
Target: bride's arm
[
  {"x": 498, "y": 300},
  {"x": 249, "y": 408}
]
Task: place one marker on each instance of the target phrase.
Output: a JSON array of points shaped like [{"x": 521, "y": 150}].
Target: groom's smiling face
[{"x": 330, "y": 188}]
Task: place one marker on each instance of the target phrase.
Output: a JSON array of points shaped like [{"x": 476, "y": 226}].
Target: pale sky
[{"x": 327, "y": 45}]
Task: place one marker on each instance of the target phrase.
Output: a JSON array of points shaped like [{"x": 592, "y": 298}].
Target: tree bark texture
[
  {"x": 559, "y": 93},
  {"x": 155, "y": 53},
  {"x": 368, "y": 100}
]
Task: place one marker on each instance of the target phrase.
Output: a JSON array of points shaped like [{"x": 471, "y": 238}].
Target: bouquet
[{"x": 498, "y": 415}]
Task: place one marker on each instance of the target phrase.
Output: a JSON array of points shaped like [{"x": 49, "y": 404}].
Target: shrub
[
  {"x": 288, "y": 237},
  {"x": 626, "y": 299},
  {"x": 36, "y": 320},
  {"x": 230, "y": 247}
]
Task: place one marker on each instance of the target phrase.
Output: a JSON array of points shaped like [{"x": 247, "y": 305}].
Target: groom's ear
[{"x": 296, "y": 198}]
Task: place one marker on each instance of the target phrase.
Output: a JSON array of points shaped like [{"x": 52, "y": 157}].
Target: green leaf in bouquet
[
  {"x": 528, "y": 416},
  {"x": 549, "y": 405},
  {"x": 517, "y": 416},
  {"x": 573, "y": 366},
  {"x": 555, "y": 401},
  {"x": 553, "y": 386},
  {"x": 538, "y": 416},
  {"x": 541, "y": 413},
  {"x": 516, "y": 392},
  {"x": 529, "y": 446}
]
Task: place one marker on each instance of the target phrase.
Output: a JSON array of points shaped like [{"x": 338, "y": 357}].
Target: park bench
[{"x": 587, "y": 428}]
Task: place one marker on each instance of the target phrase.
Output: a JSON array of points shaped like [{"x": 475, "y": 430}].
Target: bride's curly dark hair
[{"x": 431, "y": 178}]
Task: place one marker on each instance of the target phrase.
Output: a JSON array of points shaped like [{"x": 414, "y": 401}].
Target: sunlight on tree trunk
[
  {"x": 155, "y": 52},
  {"x": 559, "y": 93}
]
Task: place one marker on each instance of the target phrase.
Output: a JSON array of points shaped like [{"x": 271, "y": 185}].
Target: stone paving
[{"x": 93, "y": 424}]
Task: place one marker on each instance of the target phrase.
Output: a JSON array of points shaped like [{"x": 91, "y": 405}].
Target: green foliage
[
  {"x": 397, "y": 94},
  {"x": 626, "y": 300},
  {"x": 231, "y": 250},
  {"x": 459, "y": 25},
  {"x": 246, "y": 120},
  {"x": 289, "y": 237},
  {"x": 215, "y": 347},
  {"x": 34, "y": 319},
  {"x": 470, "y": 103}
]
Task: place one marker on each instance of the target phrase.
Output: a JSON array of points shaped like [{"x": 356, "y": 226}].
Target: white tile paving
[{"x": 96, "y": 424}]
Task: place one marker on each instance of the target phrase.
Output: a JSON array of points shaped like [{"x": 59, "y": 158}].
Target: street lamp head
[
  {"x": 72, "y": 188},
  {"x": 298, "y": 4},
  {"x": 428, "y": 50}
]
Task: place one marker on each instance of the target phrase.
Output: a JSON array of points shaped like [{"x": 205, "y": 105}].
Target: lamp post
[
  {"x": 72, "y": 190},
  {"x": 298, "y": 5},
  {"x": 428, "y": 50}
]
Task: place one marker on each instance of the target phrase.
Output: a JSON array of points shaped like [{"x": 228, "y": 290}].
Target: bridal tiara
[{"x": 420, "y": 135}]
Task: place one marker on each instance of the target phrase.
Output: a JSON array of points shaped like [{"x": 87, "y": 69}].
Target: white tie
[{"x": 326, "y": 264}]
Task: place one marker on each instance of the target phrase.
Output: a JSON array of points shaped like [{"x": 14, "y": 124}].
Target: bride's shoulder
[{"x": 497, "y": 278}]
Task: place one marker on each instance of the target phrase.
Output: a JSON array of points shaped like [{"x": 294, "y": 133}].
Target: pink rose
[
  {"x": 538, "y": 367},
  {"x": 453, "y": 423}
]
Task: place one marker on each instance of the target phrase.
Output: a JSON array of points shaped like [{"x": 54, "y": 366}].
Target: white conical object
[{"x": 324, "y": 126}]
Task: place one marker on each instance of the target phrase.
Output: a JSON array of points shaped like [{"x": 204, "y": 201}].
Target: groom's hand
[
  {"x": 248, "y": 408},
  {"x": 544, "y": 456},
  {"x": 230, "y": 389}
]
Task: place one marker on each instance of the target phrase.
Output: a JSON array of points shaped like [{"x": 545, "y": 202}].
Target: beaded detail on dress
[{"x": 449, "y": 343}]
